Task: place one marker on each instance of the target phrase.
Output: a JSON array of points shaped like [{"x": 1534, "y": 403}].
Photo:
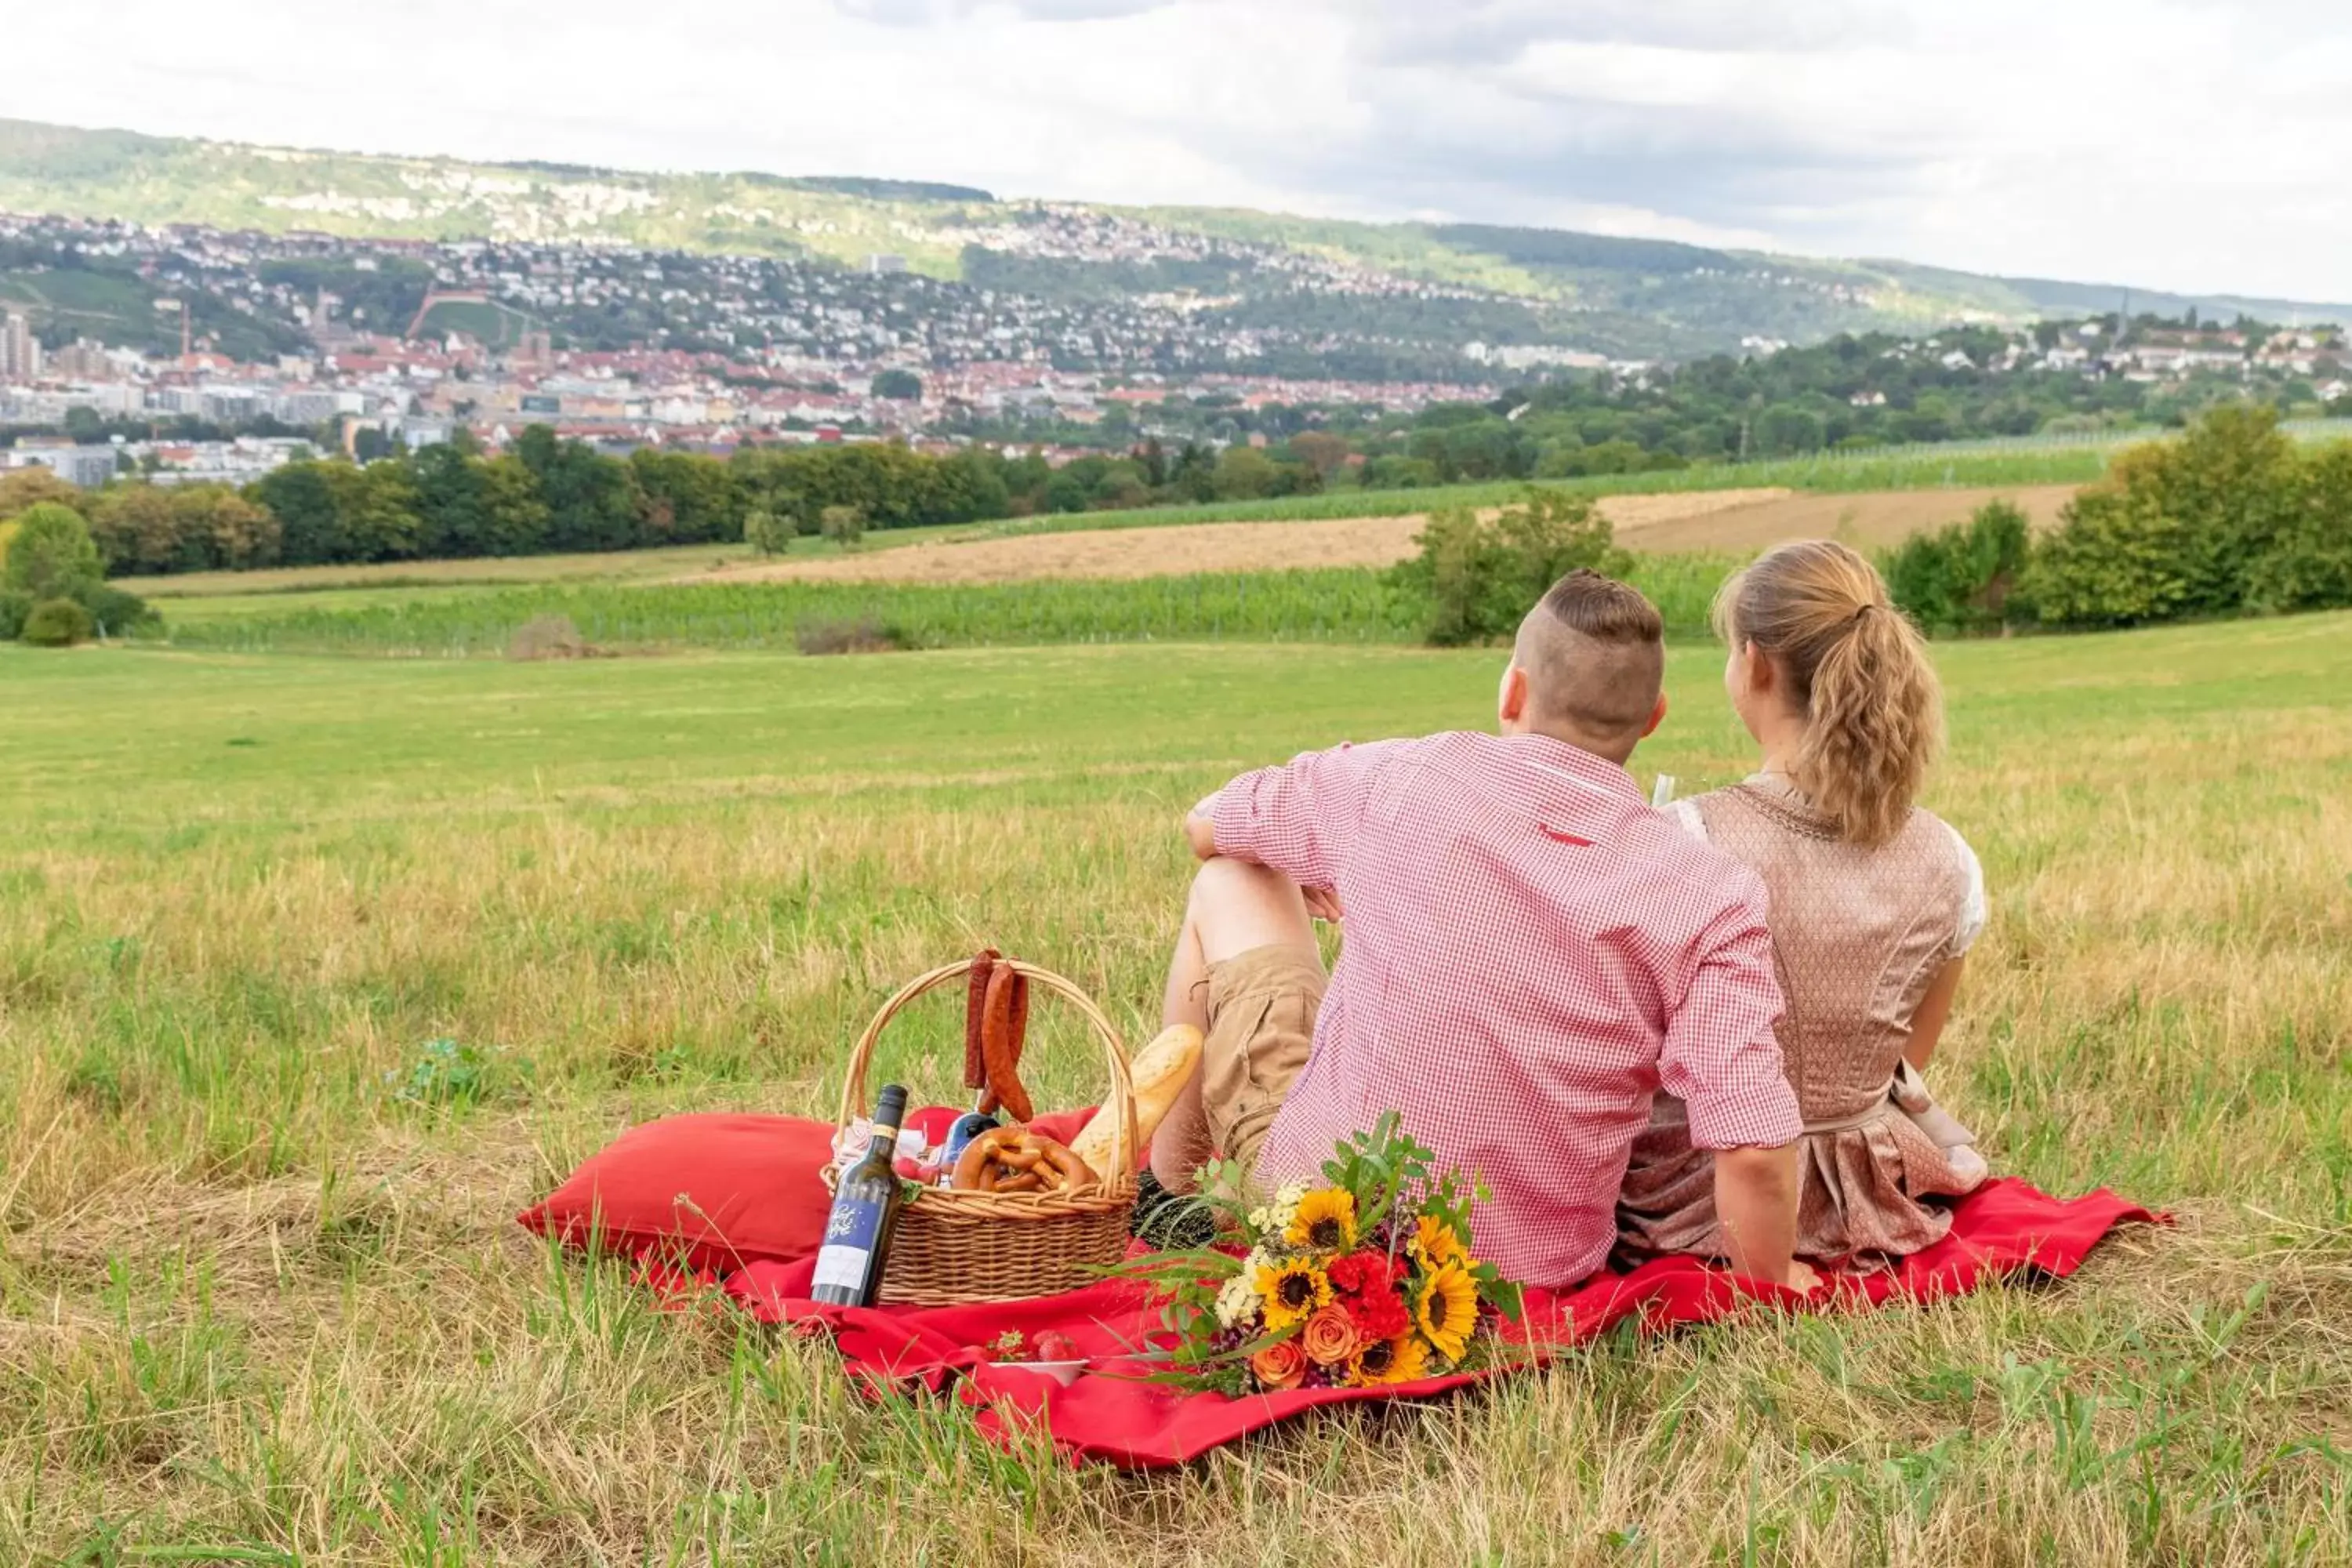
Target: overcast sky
[{"x": 2194, "y": 145}]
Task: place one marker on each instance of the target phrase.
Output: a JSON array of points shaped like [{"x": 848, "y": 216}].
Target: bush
[
  {"x": 14, "y": 608},
  {"x": 1960, "y": 577},
  {"x": 51, "y": 554},
  {"x": 2309, "y": 564},
  {"x": 117, "y": 611},
  {"x": 57, "y": 622},
  {"x": 548, "y": 636},
  {"x": 864, "y": 635},
  {"x": 2232, "y": 518},
  {"x": 1477, "y": 581}
]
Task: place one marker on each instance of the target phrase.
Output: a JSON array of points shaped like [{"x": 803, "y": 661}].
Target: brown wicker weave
[{"x": 956, "y": 1246}]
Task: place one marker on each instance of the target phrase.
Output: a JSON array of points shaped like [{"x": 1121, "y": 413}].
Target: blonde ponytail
[{"x": 1856, "y": 668}]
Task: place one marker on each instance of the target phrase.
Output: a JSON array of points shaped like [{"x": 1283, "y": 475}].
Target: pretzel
[
  {"x": 1011, "y": 1159},
  {"x": 975, "y": 1168}
]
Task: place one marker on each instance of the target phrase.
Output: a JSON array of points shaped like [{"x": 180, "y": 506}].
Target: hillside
[{"x": 1412, "y": 286}]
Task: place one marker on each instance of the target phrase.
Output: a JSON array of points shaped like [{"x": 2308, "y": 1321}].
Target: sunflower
[
  {"x": 1448, "y": 1310},
  {"x": 1400, "y": 1360},
  {"x": 1325, "y": 1221},
  {"x": 1293, "y": 1290},
  {"x": 1438, "y": 1243}
]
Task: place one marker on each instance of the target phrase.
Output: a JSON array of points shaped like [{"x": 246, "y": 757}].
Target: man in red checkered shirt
[{"x": 1531, "y": 953}]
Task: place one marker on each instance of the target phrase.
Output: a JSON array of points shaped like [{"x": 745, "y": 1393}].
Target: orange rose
[
  {"x": 1279, "y": 1366},
  {"x": 1330, "y": 1336}
]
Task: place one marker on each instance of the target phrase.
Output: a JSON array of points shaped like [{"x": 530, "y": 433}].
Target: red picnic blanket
[{"x": 2004, "y": 1227}]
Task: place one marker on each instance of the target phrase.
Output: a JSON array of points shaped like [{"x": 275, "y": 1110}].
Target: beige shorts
[{"x": 1262, "y": 1007}]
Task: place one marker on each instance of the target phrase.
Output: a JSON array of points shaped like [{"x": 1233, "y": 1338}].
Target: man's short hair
[{"x": 1595, "y": 653}]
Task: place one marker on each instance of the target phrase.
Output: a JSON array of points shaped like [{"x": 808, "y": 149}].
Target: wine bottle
[{"x": 866, "y": 1201}]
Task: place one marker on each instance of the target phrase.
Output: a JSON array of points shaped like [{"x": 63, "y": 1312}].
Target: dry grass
[
  {"x": 261, "y": 1307},
  {"x": 1738, "y": 520}
]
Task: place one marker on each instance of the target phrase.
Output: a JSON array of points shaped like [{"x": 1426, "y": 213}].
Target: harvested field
[{"x": 1709, "y": 519}]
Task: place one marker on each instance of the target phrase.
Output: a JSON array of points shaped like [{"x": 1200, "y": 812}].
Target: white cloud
[{"x": 2193, "y": 145}]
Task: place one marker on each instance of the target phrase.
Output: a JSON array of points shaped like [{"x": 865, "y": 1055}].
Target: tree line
[{"x": 549, "y": 495}]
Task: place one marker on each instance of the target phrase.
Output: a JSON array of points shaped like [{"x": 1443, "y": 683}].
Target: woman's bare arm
[{"x": 1934, "y": 1007}]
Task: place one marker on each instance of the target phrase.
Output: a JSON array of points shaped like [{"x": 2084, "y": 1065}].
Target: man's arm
[
  {"x": 1756, "y": 1206},
  {"x": 1297, "y": 819},
  {"x": 1723, "y": 1061}
]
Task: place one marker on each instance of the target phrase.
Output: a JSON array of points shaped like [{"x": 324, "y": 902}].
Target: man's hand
[
  {"x": 1201, "y": 830},
  {"x": 1323, "y": 903}
]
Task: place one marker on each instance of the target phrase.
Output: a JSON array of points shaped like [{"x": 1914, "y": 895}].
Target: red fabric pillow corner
[{"x": 704, "y": 1191}]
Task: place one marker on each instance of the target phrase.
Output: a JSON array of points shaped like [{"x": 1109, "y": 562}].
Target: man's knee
[{"x": 1235, "y": 906}]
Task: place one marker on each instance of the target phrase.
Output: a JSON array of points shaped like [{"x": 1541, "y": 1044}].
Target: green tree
[
  {"x": 452, "y": 503},
  {"x": 375, "y": 510},
  {"x": 903, "y": 385},
  {"x": 22, "y": 487},
  {"x": 1475, "y": 581},
  {"x": 844, "y": 525},
  {"x": 688, "y": 499},
  {"x": 1960, "y": 577},
  {"x": 592, "y": 501},
  {"x": 766, "y": 533},
  {"x": 1244, "y": 473},
  {"x": 2309, "y": 562},
  {"x": 300, "y": 496},
  {"x": 515, "y": 514},
  {"x": 51, "y": 555},
  {"x": 2115, "y": 560}
]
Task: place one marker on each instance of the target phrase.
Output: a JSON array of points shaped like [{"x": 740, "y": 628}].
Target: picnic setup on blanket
[{"x": 991, "y": 1255}]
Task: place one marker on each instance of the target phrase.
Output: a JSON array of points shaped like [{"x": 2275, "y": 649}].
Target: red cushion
[{"x": 714, "y": 1191}]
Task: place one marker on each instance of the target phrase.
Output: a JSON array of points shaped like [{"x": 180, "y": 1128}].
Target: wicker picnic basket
[{"x": 956, "y": 1246}]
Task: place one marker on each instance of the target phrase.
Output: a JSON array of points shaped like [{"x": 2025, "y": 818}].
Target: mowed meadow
[{"x": 314, "y": 971}]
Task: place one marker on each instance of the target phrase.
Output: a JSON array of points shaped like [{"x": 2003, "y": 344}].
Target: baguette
[{"x": 1159, "y": 1073}]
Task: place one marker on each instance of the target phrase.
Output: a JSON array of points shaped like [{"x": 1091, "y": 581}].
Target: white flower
[
  {"x": 1237, "y": 1301},
  {"x": 1285, "y": 1207},
  {"x": 1258, "y": 1221}
]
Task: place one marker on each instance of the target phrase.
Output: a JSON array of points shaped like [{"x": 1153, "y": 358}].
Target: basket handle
[{"x": 1119, "y": 1103}]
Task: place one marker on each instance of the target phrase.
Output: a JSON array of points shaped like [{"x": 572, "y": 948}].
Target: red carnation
[
  {"x": 1378, "y": 1314},
  {"x": 1357, "y": 1271}
]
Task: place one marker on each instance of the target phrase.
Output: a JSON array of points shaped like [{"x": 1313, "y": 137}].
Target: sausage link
[
  {"x": 975, "y": 1004},
  {"x": 1002, "y": 1051}
]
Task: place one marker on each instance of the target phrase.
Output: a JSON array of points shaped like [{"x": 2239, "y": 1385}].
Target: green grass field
[{"x": 257, "y": 1304}]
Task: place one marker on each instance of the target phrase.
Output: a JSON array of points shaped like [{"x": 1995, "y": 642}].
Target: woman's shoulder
[{"x": 1968, "y": 871}]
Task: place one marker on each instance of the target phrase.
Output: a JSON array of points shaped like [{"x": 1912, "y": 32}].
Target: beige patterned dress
[{"x": 1859, "y": 935}]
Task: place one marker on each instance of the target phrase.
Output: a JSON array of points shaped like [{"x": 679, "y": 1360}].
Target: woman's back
[{"x": 1860, "y": 932}]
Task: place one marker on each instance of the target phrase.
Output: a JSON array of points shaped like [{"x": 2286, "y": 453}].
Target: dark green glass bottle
[{"x": 866, "y": 1202}]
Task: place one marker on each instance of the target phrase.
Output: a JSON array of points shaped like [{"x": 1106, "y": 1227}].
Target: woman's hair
[{"x": 1855, "y": 667}]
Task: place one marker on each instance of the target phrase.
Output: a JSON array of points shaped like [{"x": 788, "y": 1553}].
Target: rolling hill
[{"x": 1527, "y": 288}]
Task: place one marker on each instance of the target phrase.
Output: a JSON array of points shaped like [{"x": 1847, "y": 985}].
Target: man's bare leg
[{"x": 1235, "y": 907}]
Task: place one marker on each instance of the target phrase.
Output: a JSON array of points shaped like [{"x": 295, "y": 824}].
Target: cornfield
[{"x": 1354, "y": 604}]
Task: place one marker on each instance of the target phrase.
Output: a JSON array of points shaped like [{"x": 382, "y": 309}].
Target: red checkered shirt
[{"x": 1530, "y": 953}]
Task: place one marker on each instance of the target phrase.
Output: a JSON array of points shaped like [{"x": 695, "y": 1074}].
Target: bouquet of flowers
[{"x": 1364, "y": 1279}]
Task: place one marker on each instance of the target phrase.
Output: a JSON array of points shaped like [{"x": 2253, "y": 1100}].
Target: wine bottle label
[{"x": 850, "y": 1233}]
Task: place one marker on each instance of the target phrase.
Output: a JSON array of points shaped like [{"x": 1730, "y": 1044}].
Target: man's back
[{"x": 1529, "y": 952}]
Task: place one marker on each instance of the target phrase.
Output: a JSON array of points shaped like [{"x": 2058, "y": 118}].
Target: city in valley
[{"x": 186, "y": 352}]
